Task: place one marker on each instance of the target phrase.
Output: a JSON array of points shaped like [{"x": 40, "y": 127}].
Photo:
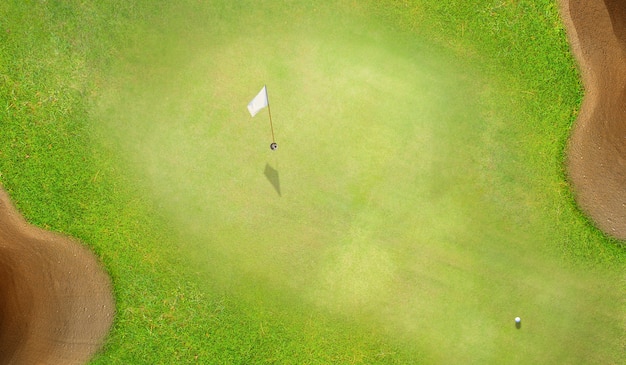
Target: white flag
[{"x": 259, "y": 102}]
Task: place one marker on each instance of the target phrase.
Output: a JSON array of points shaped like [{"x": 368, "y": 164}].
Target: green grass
[{"x": 423, "y": 196}]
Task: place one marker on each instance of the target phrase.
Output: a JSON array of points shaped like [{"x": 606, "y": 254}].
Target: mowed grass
[{"x": 422, "y": 199}]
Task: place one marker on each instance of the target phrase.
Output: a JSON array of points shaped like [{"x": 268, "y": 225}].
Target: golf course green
[{"x": 416, "y": 205}]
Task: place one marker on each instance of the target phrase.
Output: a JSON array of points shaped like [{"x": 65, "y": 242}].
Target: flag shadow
[{"x": 272, "y": 175}]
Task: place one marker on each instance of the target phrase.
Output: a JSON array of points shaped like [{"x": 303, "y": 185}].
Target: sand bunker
[
  {"x": 597, "y": 149},
  {"x": 56, "y": 305}
]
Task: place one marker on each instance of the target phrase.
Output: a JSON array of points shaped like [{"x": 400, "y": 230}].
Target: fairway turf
[{"x": 422, "y": 203}]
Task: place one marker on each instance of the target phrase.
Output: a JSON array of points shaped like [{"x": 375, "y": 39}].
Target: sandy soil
[
  {"x": 56, "y": 304},
  {"x": 597, "y": 148}
]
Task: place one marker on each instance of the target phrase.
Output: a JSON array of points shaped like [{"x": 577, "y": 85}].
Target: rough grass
[{"x": 423, "y": 203}]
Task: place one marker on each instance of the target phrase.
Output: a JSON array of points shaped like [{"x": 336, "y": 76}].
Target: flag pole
[{"x": 269, "y": 112}]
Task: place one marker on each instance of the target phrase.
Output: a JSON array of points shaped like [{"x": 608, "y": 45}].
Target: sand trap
[
  {"x": 597, "y": 148},
  {"x": 56, "y": 304}
]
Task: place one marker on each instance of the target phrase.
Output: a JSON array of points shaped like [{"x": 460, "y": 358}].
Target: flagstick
[{"x": 270, "y": 114}]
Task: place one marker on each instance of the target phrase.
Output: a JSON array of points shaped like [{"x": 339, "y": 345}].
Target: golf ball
[{"x": 518, "y": 319}]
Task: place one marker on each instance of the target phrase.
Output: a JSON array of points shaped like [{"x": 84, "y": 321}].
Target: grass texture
[{"x": 417, "y": 202}]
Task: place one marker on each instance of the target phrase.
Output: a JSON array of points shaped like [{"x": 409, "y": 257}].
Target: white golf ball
[{"x": 518, "y": 319}]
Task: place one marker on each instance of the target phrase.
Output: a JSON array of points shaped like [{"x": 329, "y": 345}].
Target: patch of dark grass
[{"x": 524, "y": 44}]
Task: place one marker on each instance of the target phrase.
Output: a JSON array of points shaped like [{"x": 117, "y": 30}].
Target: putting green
[{"x": 397, "y": 202}]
